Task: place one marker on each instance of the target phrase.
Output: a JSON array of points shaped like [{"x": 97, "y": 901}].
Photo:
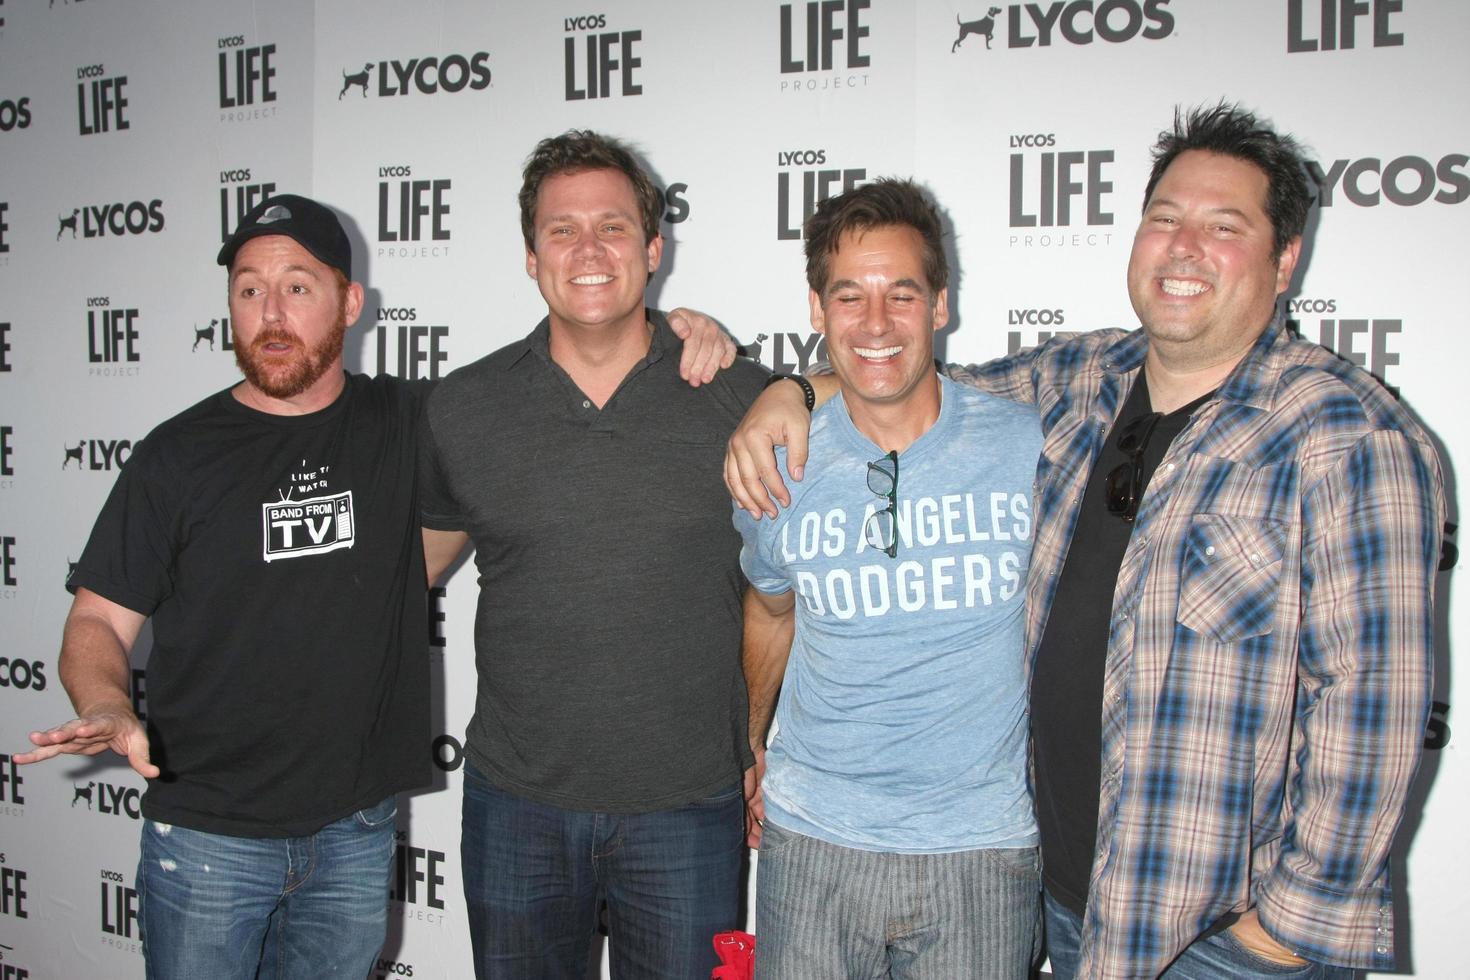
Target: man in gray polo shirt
[{"x": 605, "y": 755}]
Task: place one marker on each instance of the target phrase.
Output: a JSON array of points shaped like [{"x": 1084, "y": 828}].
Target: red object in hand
[{"x": 736, "y": 951}]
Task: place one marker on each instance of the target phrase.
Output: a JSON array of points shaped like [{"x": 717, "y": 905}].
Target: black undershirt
[{"x": 1067, "y": 677}]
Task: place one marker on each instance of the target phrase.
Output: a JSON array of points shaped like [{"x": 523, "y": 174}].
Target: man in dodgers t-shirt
[{"x": 896, "y": 831}]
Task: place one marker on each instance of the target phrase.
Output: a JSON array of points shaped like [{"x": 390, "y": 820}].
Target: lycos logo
[
  {"x": 417, "y": 878},
  {"x": 22, "y": 675},
  {"x": 422, "y": 209},
  {"x": 9, "y": 971},
  {"x": 787, "y": 353},
  {"x": 1074, "y": 21},
  {"x": 101, "y": 102},
  {"x": 15, "y": 114},
  {"x": 112, "y": 334},
  {"x": 426, "y": 76},
  {"x": 101, "y": 220},
  {"x": 247, "y": 193},
  {"x": 1016, "y": 317},
  {"x": 1405, "y": 181},
  {"x": 829, "y": 38},
  {"x": 1370, "y": 343},
  {"x": 1044, "y": 186},
  {"x": 422, "y": 349},
  {"x": 246, "y": 74},
  {"x": 108, "y": 798},
  {"x": 1035, "y": 318},
  {"x": 97, "y": 454},
  {"x": 119, "y": 909},
  {"x": 219, "y": 325},
  {"x": 816, "y": 186},
  {"x": 13, "y": 893},
  {"x": 590, "y": 65},
  {"x": 828, "y": 26}
]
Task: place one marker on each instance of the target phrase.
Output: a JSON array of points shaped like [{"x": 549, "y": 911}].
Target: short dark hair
[
  {"x": 579, "y": 150},
  {"x": 1227, "y": 129},
  {"x": 883, "y": 203}
]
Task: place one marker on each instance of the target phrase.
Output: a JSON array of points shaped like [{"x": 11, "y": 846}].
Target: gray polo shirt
[{"x": 607, "y": 636}]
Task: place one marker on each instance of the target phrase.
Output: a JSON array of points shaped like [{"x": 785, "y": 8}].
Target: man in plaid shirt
[{"x": 1240, "y": 533}]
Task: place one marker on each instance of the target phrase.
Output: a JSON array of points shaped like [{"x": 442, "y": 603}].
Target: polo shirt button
[{"x": 586, "y": 404}]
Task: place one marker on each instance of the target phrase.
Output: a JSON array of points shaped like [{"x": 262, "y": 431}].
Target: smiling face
[
  {"x": 289, "y": 314},
  {"x": 1202, "y": 275},
  {"x": 590, "y": 258},
  {"x": 879, "y": 315}
]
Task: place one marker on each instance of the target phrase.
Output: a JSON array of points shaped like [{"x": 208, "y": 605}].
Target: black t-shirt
[
  {"x": 1067, "y": 675},
  {"x": 607, "y": 637},
  {"x": 280, "y": 560}
]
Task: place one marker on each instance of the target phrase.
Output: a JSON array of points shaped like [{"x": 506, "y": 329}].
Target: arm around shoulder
[{"x": 778, "y": 417}]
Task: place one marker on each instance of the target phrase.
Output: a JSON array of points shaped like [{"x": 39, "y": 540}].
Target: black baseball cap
[{"x": 311, "y": 225}]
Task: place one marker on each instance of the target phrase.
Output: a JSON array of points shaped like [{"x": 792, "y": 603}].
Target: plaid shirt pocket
[{"x": 1230, "y": 581}]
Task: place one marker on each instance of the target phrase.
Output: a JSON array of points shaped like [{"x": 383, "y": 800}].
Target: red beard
[{"x": 286, "y": 378}]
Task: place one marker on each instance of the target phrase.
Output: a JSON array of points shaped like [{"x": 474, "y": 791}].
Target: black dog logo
[
  {"x": 204, "y": 333},
  {"x": 68, "y": 223},
  {"x": 82, "y": 794},
  {"x": 73, "y": 453},
  {"x": 985, "y": 26},
  {"x": 752, "y": 350},
  {"x": 361, "y": 78}
]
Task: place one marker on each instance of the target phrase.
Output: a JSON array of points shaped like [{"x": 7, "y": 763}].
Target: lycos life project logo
[{"x": 824, "y": 45}]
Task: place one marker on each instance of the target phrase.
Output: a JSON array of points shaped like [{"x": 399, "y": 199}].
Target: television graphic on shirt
[{"x": 307, "y": 518}]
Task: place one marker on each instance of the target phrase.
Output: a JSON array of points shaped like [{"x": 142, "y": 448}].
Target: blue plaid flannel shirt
[{"x": 1270, "y": 662}]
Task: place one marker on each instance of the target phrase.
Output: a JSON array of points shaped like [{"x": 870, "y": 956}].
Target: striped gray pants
[{"x": 825, "y": 912}]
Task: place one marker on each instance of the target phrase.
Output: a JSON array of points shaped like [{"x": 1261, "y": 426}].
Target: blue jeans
[
  {"x": 1213, "y": 958},
  {"x": 825, "y": 912},
  {"x": 534, "y": 875},
  {"x": 242, "y": 907}
]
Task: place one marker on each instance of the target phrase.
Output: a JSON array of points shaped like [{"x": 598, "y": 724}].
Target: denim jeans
[
  {"x": 534, "y": 875},
  {"x": 1213, "y": 958},
  {"x": 242, "y": 907},
  {"x": 825, "y": 912}
]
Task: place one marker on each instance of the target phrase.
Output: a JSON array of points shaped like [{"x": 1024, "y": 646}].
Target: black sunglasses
[
  {"x": 1124, "y": 485},
  {"x": 882, "y": 526}
]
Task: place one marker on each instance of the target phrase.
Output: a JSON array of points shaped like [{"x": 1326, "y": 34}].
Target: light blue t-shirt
[{"x": 902, "y": 719}]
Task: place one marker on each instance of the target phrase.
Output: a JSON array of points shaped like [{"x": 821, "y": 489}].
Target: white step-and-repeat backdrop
[{"x": 133, "y": 135}]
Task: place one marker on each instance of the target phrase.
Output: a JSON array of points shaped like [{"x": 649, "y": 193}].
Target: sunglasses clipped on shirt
[
  {"x": 881, "y": 527},
  {"x": 1124, "y": 484}
]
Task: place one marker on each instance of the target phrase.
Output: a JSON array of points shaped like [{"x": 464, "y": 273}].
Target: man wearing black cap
[{"x": 270, "y": 533}]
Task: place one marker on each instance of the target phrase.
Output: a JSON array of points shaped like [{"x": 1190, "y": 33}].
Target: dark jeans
[
  {"x": 1216, "y": 957},
  {"x": 534, "y": 874}
]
